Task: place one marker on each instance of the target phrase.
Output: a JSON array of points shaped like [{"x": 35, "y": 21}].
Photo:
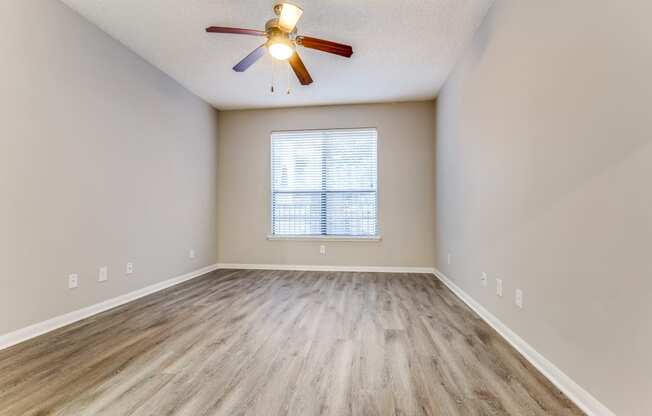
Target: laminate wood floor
[{"x": 244, "y": 342}]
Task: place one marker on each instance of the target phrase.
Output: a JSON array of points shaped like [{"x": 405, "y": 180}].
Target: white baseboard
[
  {"x": 32, "y": 331},
  {"x": 374, "y": 269},
  {"x": 583, "y": 399}
]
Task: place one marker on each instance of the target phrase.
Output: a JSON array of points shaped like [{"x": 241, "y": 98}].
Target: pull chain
[
  {"x": 287, "y": 67},
  {"x": 272, "y": 87}
]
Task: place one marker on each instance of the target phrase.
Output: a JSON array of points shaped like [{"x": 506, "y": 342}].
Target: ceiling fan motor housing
[{"x": 273, "y": 28}]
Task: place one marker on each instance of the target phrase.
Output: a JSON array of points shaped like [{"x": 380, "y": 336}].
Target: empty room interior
[{"x": 408, "y": 207}]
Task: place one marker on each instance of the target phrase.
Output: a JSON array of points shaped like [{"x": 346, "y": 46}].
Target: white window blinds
[{"x": 324, "y": 183}]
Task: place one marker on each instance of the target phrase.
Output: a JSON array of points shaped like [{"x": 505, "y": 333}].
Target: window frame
[{"x": 318, "y": 237}]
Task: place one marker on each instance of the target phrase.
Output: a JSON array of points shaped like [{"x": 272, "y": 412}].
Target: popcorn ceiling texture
[{"x": 404, "y": 50}]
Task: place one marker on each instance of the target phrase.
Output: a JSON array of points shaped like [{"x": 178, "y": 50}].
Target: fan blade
[
  {"x": 235, "y": 30},
  {"x": 250, "y": 59},
  {"x": 325, "y": 46},
  {"x": 300, "y": 69}
]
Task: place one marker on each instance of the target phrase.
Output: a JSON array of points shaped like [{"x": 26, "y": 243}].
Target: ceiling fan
[{"x": 282, "y": 41}]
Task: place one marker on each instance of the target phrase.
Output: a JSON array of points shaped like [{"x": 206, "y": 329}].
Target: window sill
[{"x": 373, "y": 238}]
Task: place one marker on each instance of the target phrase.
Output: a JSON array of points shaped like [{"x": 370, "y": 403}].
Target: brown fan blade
[
  {"x": 250, "y": 59},
  {"x": 325, "y": 46},
  {"x": 235, "y": 30},
  {"x": 300, "y": 69}
]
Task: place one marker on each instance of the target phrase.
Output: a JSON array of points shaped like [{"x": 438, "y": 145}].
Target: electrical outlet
[
  {"x": 519, "y": 298},
  {"x": 448, "y": 258},
  {"x": 73, "y": 280},
  {"x": 483, "y": 279},
  {"x": 130, "y": 268},
  {"x": 499, "y": 287},
  {"x": 322, "y": 250},
  {"x": 103, "y": 274},
  {"x": 191, "y": 253}
]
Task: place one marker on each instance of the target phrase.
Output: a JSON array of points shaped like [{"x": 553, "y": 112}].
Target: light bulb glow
[
  {"x": 280, "y": 50},
  {"x": 290, "y": 15}
]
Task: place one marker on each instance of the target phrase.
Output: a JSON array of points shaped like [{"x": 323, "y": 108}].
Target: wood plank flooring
[{"x": 244, "y": 342}]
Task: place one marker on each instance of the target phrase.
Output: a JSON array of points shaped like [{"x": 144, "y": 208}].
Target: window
[{"x": 324, "y": 183}]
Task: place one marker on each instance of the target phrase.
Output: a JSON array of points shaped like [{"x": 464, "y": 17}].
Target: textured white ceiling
[{"x": 403, "y": 49}]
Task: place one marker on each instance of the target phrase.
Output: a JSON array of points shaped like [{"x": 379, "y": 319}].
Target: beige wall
[
  {"x": 103, "y": 160},
  {"x": 544, "y": 168},
  {"x": 406, "y": 185}
]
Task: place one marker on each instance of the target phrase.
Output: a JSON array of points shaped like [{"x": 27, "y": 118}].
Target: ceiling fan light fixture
[
  {"x": 290, "y": 15},
  {"x": 280, "y": 48}
]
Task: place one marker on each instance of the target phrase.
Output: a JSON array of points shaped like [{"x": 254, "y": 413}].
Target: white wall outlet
[
  {"x": 130, "y": 268},
  {"x": 483, "y": 279},
  {"x": 322, "y": 249},
  {"x": 448, "y": 258},
  {"x": 103, "y": 274},
  {"x": 191, "y": 253},
  {"x": 73, "y": 280},
  {"x": 519, "y": 298},
  {"x": 499, "y": 287}
]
